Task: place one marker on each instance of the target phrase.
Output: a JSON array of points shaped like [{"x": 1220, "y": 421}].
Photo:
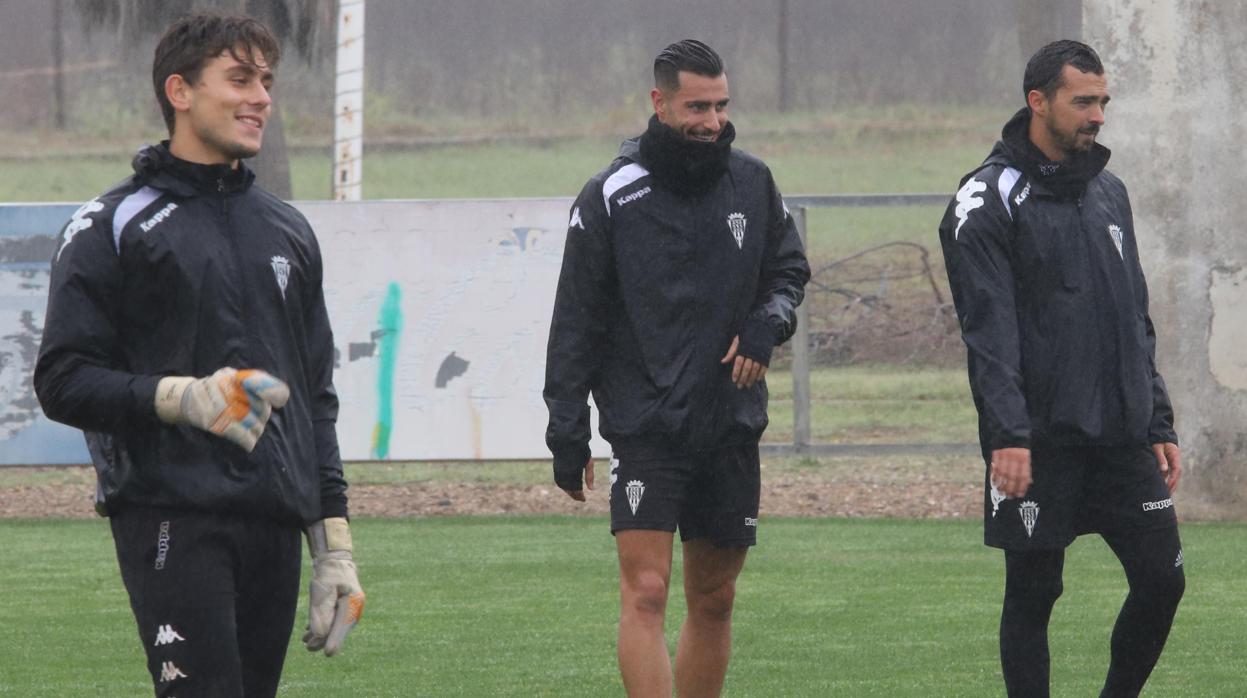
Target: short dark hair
[
  {"x": 1043, "y": 70},
  {"x": 690, "y": 55},
  {"x": 189, "y": 43}
]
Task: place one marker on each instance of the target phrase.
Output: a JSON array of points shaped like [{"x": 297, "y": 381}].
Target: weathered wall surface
[{"x": 1178, "y": 134}]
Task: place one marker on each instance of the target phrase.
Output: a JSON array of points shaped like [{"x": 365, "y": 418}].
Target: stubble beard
[
  {"x": 233, "y": 150},
  {"x": 1070, "y": 143}
]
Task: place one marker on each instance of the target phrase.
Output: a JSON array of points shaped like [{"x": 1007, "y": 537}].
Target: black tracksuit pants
[{"x": 214, "y": 596}]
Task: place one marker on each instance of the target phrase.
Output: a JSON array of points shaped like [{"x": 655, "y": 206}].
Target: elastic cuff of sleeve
[
  {"x": 169, "y": 393},
  {"x": 757, "y": 341},
  {"x": 569, "y": 468},
  {"x": 1020, "y": 442},
  {"x": 1162, "y": 438},
  {"x": 334, "y": 508}
]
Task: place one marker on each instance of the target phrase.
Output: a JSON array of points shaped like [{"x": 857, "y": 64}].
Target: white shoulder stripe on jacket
[
  {"x": 626, "y": 175},
  {"x": 130, "y": 207},
  {"x": 1008, "y": 178}
]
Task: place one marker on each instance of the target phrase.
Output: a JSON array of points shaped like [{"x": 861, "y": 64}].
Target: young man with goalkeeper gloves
[{"x": 187, "y": 335}]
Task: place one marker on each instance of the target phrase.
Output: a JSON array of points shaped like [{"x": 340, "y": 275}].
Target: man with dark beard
[
  {"x": 1075, "y": 423},
  {"x": 682, "y": 271}
]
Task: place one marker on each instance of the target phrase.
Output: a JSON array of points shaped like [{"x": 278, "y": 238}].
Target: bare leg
[
  {"x": 644, "y": 577},
  {"x": 706, "y": 639}
]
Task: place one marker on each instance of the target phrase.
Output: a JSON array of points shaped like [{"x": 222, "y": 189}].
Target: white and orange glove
[
  {"x": 230, "y": 403},
  {"x": 335, "y": 599}
]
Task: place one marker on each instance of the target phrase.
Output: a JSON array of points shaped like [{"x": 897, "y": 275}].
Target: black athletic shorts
[
  {"x": 713, "y": 494},
  {"x": 1078, "y": 490},
  {"x": 214, "y": 596}
]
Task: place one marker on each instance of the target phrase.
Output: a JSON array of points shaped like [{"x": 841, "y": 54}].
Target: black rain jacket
[
  {"x": 1045, "y": 275},
  {"x": 653, "y": 288},
  {"x": 183, "y": 269}
]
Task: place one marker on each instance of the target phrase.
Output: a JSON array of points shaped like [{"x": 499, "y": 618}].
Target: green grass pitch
[{"x": 527, "y": 607}]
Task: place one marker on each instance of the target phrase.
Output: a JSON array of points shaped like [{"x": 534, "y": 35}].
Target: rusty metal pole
[
  {"x": 801, "y": 433},
  {"x": 58, "y": 64},
  {"x": 348, "y": 104},
  {"x": 782, "y": 45}
]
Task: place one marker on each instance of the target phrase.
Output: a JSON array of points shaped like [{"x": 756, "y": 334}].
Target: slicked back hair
[
  {"x": 189, "y": 43},
  {"x": 688, "y": 55},
  {"x": 1043, "y": 70}
]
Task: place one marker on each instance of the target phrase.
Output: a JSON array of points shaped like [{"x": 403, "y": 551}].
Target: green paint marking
[{"x": 390, "y": 322}]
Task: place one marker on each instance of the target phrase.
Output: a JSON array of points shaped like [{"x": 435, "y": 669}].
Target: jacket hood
[
  {"x": 161, "y": 169},
  {"x": 1067, "y": 178},
  {"x": 630, "y": 149}
]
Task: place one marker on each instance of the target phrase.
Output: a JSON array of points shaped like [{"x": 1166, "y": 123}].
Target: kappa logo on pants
[
  {"x": 162, "y": 545},
  {"x": 170, "y": 672},
  {"x": 166, "y": 635},
  {"x": 997, "y": 498},
  {"x": 614, "y": 470}
]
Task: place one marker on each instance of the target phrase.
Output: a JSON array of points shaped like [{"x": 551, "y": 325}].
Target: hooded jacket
[
  {"x": 655, "y": 284},
  {"x": 183, "y": 269},
  {"x": 1045, "y": 275}
]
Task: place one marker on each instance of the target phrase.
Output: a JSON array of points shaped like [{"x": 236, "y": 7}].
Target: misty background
[{"x": 454, "y": 67}]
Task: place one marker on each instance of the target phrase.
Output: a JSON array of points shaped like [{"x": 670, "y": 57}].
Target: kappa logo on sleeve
[
  {"x": 79, "y": 222},
  {"x": 967, "y": 201},
  {"x": 575, "y": 221}
]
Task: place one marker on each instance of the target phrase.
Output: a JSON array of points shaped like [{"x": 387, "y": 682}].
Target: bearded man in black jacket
[
  {"x": 187, "y": 335},
  {"x": 682, "y": 272},
  {"x": 1075, "y": 422}
]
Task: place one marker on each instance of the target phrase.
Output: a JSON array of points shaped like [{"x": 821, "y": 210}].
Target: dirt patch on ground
[{"x": 787, "y": 494}]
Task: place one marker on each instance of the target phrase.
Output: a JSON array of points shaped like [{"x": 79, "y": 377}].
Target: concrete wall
[{"x": 1177, "y": 130}]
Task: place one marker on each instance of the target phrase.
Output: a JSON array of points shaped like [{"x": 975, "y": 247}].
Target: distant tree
[{"x": 308, "y": 25}]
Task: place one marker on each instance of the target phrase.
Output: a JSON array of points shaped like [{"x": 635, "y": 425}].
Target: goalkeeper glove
[
  {"x": 230, "y": 403},
  {"x": 335, "y": 599}
]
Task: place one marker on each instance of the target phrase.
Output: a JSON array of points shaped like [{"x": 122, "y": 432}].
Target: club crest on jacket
[
  {"x": 281, "y": 268},
  {"x": 1114, "y": 231},
  {"x": 736, "y": 223}
]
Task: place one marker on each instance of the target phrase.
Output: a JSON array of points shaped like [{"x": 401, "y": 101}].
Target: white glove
[
  {"x": 335, "y": 599},
  {"x": 232, "y": 404}
]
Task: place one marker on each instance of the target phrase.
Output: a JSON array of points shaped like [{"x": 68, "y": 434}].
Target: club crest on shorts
[
  {"x": 997, "y": 498},
  {"x": 634, "y": 490},
  {"x": 736, "y": 223},
  {"x": 1030, "y": 514},
  {"x": 281, "y": 268}
]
